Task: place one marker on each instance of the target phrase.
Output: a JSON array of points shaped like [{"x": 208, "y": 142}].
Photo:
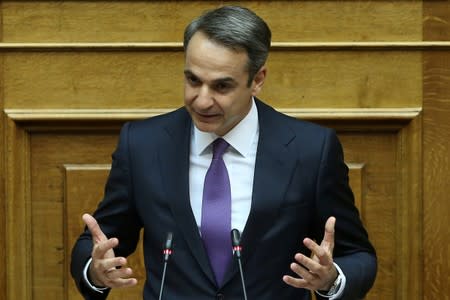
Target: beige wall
[{"x": 73, "y": 71}]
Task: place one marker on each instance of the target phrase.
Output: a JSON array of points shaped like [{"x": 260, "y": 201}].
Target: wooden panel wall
[
  {"x": 2, "y": 178},
  {"x": 436, "y": 155},
  {"x": 73, "y": 71}
]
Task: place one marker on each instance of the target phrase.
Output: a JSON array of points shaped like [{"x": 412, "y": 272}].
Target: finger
[
  {"x": 328, "y": 238},
  {"x": 295, "y": 282},
  {"x": 103, "y": 266},
  {"x": 101, "y": 271},
  {"x": 121, "y": 282},
  {"x": 113, "y": 273},
  {"x": 313, "y": 267},
  {"x": 118, "y": 277},
  {"x": 303, "y": 272},
  {"x": 323, "y": 255},
  {"x": 94, "y": 228},
  {"x": 101, "y": 249}
]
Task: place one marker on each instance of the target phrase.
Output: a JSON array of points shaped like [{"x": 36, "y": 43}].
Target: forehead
[{"x": 204, "y": 56}]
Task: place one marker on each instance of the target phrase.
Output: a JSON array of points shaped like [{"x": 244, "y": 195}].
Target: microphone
[
  {"x": 236, "y": 242},
  {"x": 167, "y": 252},
  {"x": 168, "y": 246}
]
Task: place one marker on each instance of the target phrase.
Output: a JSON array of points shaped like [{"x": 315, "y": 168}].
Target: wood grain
[
  {"x": 333, "y": 79},
  {"x": 164, "y": 21},
  {"x": 436, "y": 144},
  {"x": 409, "y": 188},
  {"x": 356, "y": 179},
  {"x": 436, "y": 26},
  {"x": 51, "y": 152},
  {"x": 436, "y": 174},
  {"x": 18, "y": 212},
  {"x": 3, "y": 272}
]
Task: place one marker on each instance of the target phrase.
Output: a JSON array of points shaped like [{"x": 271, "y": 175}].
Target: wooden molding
[
  {"x": 342, "y": 119},
  {"x": 178, "y": 46},
  {"x": 37, "y": 115},
  {"x": 356, "y": 176},
  {"x": 410, "y": 212},
  {"x": 18, "y": 212}
]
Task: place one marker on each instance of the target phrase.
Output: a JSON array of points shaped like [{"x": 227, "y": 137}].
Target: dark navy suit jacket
[{"x": 300, "y": 180}]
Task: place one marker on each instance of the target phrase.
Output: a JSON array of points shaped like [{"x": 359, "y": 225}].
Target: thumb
[{"x": 94, "y": 228}]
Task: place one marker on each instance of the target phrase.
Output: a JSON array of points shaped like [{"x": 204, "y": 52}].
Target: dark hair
[{"x": 237, "y": 28}]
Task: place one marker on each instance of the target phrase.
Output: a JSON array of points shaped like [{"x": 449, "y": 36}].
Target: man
[{"x": 284, "y": 185}]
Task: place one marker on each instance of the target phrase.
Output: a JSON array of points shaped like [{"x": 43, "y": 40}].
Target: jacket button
[{"x": 220, "y": 296}]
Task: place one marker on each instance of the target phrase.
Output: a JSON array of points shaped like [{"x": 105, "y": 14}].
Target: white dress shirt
[{"x": 239, "y": 159}]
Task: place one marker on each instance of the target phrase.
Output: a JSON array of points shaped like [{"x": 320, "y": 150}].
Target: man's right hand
[{"x": 106, "y": 270}]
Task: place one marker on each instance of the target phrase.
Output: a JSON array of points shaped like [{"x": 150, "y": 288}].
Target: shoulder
[
  {"x": 173, "y": 118},
  {"x": 156, "y": 128},
  {"x": 305, "y": 129}
]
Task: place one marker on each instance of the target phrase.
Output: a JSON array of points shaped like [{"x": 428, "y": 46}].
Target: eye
[
  {"x": 192, "y": 80},
  {"x": 222, "y": 87}
]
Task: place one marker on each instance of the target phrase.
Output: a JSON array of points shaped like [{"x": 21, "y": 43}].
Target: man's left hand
[{"x": 317, "y": 272}]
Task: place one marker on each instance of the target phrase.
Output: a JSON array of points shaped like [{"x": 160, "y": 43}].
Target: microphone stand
[
  {"x": 167, "y": 252},
  {"x": 236, "y": 241}
]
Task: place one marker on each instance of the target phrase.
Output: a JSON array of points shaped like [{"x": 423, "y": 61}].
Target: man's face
[{"x": 216, "y": 92}]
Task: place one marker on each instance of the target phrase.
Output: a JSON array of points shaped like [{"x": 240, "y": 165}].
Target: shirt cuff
[
  {"x": 337, "y": 292},
  {"x": 86, "y": 280}
]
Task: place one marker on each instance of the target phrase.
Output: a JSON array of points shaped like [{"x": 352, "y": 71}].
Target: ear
[{"x": 258, "y": 80}]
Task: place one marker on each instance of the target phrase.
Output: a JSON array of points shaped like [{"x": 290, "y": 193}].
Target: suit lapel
[
  {"x": 174, "y": 160},
  {"x": 273, "y": 169}
]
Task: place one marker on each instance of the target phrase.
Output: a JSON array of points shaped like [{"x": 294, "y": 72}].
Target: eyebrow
[
  {"x": 187, "y": 72},
  {"x": 227, "y": 80},
  {"x": 224, "y": 79}
]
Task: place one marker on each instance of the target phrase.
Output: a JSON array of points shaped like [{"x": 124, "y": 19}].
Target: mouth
[{"x": 207, "y": 116}]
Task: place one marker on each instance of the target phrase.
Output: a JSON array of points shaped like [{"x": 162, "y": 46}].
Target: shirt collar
[{"x": 240, "y": 138}]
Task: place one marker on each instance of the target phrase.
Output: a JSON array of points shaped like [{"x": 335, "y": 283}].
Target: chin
[{"x": 205, "y": 127}]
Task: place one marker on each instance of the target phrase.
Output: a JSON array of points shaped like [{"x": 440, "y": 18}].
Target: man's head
[
  {"x": 225, "y": 54},
  {"x": 237, "y": 28}
]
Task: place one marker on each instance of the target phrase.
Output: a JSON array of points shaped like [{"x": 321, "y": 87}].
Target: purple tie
[{"x": 216, "y": 212}]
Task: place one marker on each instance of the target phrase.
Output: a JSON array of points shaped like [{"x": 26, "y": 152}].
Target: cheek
[
  {"x": 188, "y": 94},
  {"x": 240, "y": 104},
  {"x": 223, "y": 104}
]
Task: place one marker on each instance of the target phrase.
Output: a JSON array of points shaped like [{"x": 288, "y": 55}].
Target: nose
[{"x": 205, "y": 98}]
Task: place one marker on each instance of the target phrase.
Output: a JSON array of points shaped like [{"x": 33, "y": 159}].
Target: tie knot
[{"x": 219, "y": 147}]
